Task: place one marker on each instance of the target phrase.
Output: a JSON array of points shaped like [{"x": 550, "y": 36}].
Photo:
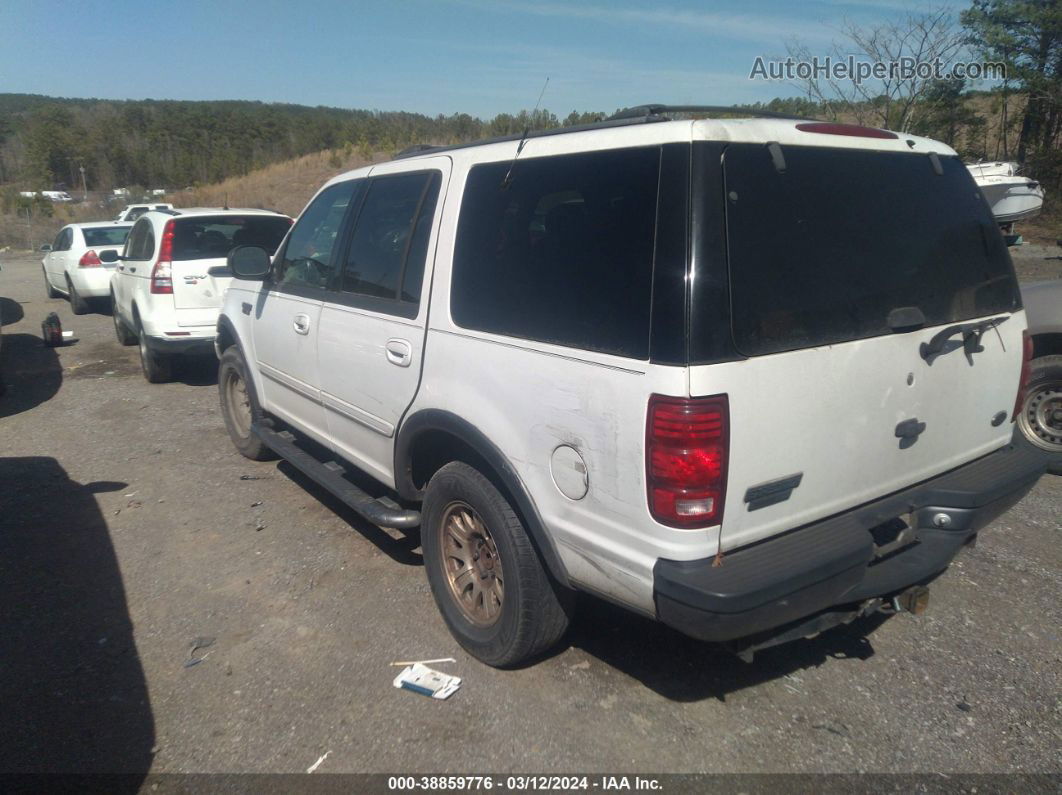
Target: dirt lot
[{"x": 131, "y": 531}]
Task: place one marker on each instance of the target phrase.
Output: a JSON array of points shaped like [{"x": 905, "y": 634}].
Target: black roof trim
[{"x": 657, "y": 110}]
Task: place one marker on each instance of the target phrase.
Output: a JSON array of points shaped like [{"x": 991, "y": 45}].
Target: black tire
[
  {"x": 534, "y": 610},
  {"x": 239, "y": 405},
  {"x": 1040, "y": 419},
  {"x": 157, "y": 367},
  {"x": 50, "y": 291},
  {"x": 78, "y": 305},
  {"x": 121, "y": 331}
]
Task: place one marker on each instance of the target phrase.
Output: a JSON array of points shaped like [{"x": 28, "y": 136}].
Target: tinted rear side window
[
  {"x": 822, "y": 252},
  {"x": 209, "y": 237},
  {"x": 141, "y": 242},
  {"x": 389, "y": 242},
  {"x": 106, "y": 235},
  {"x": 563, "y": 253}
]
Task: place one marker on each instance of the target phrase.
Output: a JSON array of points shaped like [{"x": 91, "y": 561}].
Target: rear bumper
[
  {"x": 835, "y": 562},
  {"x": 191, "y": 345}
]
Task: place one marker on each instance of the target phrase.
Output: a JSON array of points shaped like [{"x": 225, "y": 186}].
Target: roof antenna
[
  {"x": 507, "y": 180},
  {"x": 226, "y": 201}
]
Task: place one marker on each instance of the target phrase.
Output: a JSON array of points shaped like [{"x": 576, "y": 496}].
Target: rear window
[
  {"x": 562, "y": 252},
  {"x": 208, "y": 237},
  {"x": 106, "y": 235},
  {"x": 821, "y": 252}
]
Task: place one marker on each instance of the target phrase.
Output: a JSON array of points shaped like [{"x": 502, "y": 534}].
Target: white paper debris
[{"x": 428, "y": 682}]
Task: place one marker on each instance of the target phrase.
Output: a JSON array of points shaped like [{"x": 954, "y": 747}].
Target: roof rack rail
[
  {"x": 656, "y": 110},
  {"x": 420, "y": 149},
  {"x": 415, "y": 149}
]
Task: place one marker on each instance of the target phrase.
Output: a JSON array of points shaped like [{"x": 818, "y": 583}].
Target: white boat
[{"x": 1011, "y": 196}]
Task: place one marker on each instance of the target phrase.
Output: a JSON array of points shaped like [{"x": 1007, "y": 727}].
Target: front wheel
[
  {"x": 239, "y": 405},
  {"x": 496, "y": 597},
  {"x": 121, "y": 331},
  {"x": 157, "y": 367},
  {"x": 1040, "y": 420}
]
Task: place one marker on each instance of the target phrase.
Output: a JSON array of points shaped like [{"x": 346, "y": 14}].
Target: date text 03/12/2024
[{"x": 518, "y": 783}]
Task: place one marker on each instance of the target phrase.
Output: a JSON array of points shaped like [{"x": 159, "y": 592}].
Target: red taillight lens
[
  {"x": 853, "y": 130},
  {"x": 686, "y": 450},
  {"x": 89, "y": 260},
  {"x": 161, "y": 278},
  {"x": 1026, "y": 373}
]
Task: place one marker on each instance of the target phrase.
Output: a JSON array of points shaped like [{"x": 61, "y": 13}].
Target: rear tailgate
[
  {"x": 200, "y": 247},
  {"x": 844, "y": 268}
]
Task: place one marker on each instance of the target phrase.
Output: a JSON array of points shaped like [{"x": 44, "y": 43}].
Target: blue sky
[{"x": 475, "y": 56}]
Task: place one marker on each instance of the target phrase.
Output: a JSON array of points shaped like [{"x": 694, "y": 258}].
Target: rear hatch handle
[{"x": 971, "y": 338}]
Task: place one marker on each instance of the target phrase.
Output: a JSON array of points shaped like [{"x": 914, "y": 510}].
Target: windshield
[
  {"x": 106, "y": 235},
  {"x": 822, "y": 251},
  {"x": 212, "y": 237}
]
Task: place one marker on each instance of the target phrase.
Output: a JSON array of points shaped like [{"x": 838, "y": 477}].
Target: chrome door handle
[
  {"x": 398, "y": 352},
  {"x": 301, "y": 324}
]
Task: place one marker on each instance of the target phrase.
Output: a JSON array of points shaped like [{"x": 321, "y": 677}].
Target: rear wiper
[{"x": 971, "y": 338}]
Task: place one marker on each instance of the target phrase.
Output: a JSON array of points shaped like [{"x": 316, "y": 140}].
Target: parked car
[
  {"x": 1040, "y": 418},
  {"x": 171, "y": 275},
  {"x": 57, "y": 195},
  {"x": 688, "y": 366},
  {"x": 72, "y": 264},
  {"x": 134, "y": 211}
]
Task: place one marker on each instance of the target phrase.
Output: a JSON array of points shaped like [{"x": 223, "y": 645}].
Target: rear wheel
[
  {"x": 121, "y": 331},
  {"x": 50, "y": 291},
  {"x": 239, "y": 405},
  {"x": 1040, "y": 419},
  {"x": 157, "y": 367},
  {"x": 78, "y": 305},
  {"x": 487, "y": 579}
]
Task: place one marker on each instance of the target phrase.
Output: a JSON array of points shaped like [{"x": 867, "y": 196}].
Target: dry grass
[{"x": 285, "y": 187}]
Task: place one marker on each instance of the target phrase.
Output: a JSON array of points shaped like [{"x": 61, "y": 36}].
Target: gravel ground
[{"x": 131, "y": 531}]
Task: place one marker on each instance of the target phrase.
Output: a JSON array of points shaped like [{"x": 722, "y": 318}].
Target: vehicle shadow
[
  {"x": 402, "y": 546},
  {"x": 31, "y": 372},
  {"x": 74, "y": 695},
  {"x": 685, "y": 670},
  {"x": 195, "y": 370},
  {"x": 10, "y": 311}
]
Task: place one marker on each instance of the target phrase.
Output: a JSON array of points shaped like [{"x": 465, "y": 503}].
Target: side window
[
  {"x": 59, "y": 238},
  {"x": 390, "y": 240},
  {"x": 563, "y": 253},
  {"x": 307, "y": 257},
  {"x": 141, "y": 242}
]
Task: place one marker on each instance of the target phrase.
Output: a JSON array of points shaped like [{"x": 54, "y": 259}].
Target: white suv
[
  {"x": 171, "y": 276},
  {"x": 753, "y": 378}
]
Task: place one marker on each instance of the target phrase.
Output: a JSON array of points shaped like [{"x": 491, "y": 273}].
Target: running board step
[{"x": 384, "y": 511}]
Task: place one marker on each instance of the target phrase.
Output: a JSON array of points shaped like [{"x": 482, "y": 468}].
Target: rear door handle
[
  {"x": 133, "y": 270},
  {"x": 399, "y": 352},
  {"x": 301, "y": 324}
]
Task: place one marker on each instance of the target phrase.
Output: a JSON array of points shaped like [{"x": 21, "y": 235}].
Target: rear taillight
[
  {"x": 161, "y": 277},
  {"x": 89, "y": 260},
  {"x": 1026, "y": 373},
  {"x": 686, "y": 453}
]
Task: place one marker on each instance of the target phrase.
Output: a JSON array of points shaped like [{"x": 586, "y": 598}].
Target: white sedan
[{"x": 72, "y": 265}]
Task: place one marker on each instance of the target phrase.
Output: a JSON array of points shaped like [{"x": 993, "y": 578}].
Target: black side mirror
[
  {"x": 109, "y": 256},
  {"x": 249, "y": 262},
  {"x": 46, "y": 247}
]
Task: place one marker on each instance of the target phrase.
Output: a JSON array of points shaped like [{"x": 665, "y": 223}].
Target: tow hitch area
[{"x": 914, "y": 600}]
